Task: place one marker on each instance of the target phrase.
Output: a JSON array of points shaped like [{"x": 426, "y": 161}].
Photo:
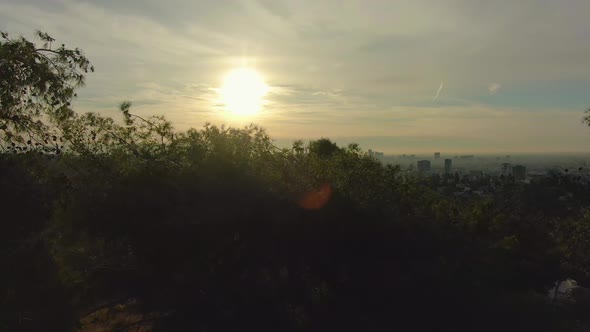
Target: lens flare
[{"x": 316, "y": 200}]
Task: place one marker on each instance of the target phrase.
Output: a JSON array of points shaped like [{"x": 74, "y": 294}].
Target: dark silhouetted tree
[
  {"x": 324, "y": 148},
  {"x": 37, "y": 82}
]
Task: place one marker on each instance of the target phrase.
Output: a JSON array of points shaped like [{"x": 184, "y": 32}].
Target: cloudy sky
[{"x": 398, "y": 76}]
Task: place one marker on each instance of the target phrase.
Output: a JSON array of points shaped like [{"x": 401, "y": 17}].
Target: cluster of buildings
[
  {"x": 465, "y": 183},
  {"x": 468, "y": 176},
  {"x": 437, "y": 164},
  {"x": 424, "y": 166},
  {"x": 376, "y": 154},
  {"x": 518, "y": 172}
]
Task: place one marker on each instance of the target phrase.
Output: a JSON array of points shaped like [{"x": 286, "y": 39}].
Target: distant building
[
  {"x": 375, "y": 154},
  {"x": 437, "y": 155},
  {"x": 448, "y": 166},
  {"x": 475, "y": 174},
  {"x": 506, "y": 169},
  {"x": 423, "y": 166},
  {"x": 470, "y": 156},
  {"x": 519, "y": 172}
]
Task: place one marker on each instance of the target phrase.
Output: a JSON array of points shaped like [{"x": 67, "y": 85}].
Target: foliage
[
  {"x": 323, "y": 148},
  {"x": 37, "y": 83}
]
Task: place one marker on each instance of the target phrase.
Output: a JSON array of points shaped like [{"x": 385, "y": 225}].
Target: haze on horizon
[{"x": 400, "y": 77}]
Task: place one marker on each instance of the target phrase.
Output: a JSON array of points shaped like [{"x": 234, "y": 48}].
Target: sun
[{"x": 243, "y": 91}]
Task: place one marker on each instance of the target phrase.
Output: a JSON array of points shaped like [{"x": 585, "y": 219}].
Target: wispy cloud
[
  {"x": 494, "y": 88},
  {"x": 335, "y": 69},
  {"x": 440, "y": 88}
]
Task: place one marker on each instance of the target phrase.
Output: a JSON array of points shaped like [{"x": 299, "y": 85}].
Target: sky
[{"x": 404, "y": 76}]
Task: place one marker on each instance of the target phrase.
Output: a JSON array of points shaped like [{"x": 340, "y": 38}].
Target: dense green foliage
[{"x": 217, "y": 229}]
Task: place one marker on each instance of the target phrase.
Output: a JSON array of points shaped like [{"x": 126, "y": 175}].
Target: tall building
[
  {"x": 519, "y": 172},
  {"x": 423, "y": 166},
  {"x": 448, "y": 165},
  {"x": 437, "y": 155},
  {"x": 506, "y": 169}
]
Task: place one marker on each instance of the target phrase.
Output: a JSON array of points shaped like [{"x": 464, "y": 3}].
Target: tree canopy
[{"x": 37, "y": 84}]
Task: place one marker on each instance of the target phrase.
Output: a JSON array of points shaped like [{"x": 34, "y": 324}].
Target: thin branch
[
  {"x": 59, "y": 70},
  {"x": 133, "y": 148},
  {"x": 46, "y": 50},
  {"x": 141, "y": 118}
]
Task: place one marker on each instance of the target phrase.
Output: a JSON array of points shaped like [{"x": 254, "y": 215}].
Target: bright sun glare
[{"x": 243, "y": 91}]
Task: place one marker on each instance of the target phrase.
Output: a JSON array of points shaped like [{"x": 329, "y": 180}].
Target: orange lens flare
[{"x": 316, "y": 200}]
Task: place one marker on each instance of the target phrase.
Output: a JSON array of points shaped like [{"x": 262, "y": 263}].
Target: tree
[
  {"x": 323, "y": 148},
  {"x": 37, "y": 83}
]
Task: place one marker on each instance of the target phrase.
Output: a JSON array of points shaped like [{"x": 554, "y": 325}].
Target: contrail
[{"x": 440, "y": 88}]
